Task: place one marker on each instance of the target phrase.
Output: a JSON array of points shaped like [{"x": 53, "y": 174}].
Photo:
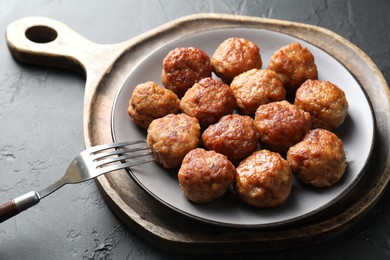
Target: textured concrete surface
[{"x": 41, "y": 127}]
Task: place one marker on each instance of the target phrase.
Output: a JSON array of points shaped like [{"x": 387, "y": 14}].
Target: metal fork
[{"x": 87, "y": 165}]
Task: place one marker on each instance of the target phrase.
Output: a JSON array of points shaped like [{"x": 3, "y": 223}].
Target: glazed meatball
[
  {"x": 326, "y": 103},
  {"x": 264, "y": 179},
  {"x": 319, "y": 159},
  {"x": 281, "y": 125},
  {"x": 208, "y": 100},
  {"x": 171, "y": 137},
  {"x": 205, "y": 175},
  {"x": 150, "y": 101},
  {"x": 234, "y": 56},
  {"x": 183, "y": 67},
  {"x": 257, "y": 87},
  {"x": 234, "y": 136},
  {"x": 294, "y": 64}
]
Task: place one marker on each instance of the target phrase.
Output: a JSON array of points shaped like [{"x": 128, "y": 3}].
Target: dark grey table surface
[{"x": 41, "y": 128}]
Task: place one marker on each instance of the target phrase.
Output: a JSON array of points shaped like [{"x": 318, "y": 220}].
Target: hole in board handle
[{"x": 41, "y": 34}]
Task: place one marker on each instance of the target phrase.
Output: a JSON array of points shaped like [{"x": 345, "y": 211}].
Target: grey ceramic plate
[{"x": 357, "y": 133}]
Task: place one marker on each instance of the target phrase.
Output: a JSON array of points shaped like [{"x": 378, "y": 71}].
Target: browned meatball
[
  {"x": 182, "y": 67},
  {"x": 257, "y": 87},
  {"x": 264, "y": 179},
  {"x": 318, "y": 160},
  {"x": 234, "y": 136},
  {"x": 150, "y": 101},
  {"x": 234, "y": 56},
  {"x": 208, "y": 101},
  {"x": 171, "y": 137},
  {"x": 281, "y": 125},
  {"x": 205, "y": 175},
  {"x": 326, "y": 103},
  {"x": 294, "y": 64}
]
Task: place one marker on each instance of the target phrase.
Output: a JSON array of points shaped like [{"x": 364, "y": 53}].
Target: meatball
[
  {"x": 264, "y": 179},
  {"x": 171, "y": 137},
  {"x": 326, "y": 103},
  {"x": 208, "y": 101},
  {"x": 234, "y": 56},
  {"x": 150, "y": 101},
  {"x": 257, "y": 87},
  {"x": 294, "y": 64},
  {"x": 234, "y": 136},
  {"x": 319, "y": 159},
  {"x": 281, "y": 125},
  {"x": 183, "y": 67},
  {"x": 205, "y": 175}
]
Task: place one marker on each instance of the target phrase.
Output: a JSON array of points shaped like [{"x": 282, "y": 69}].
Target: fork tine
[
  {"x": 124, "y": 157},
  {"x": 119, "y": 166},
  {"x": 111, "y": 157},
  {"x": 100, "y": 148},
  {"x": 105, "y": 153}
]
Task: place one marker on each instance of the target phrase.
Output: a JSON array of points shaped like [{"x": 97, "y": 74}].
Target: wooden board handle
[
  {"x": 47, "y": 42},
  {"x": 43, "y": 41}
]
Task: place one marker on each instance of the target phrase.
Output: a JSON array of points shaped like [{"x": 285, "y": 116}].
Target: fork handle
[{"x": 18, "y": 204}]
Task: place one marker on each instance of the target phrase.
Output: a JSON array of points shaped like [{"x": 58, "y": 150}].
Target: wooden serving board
[{"x": 43, "y": 41}]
